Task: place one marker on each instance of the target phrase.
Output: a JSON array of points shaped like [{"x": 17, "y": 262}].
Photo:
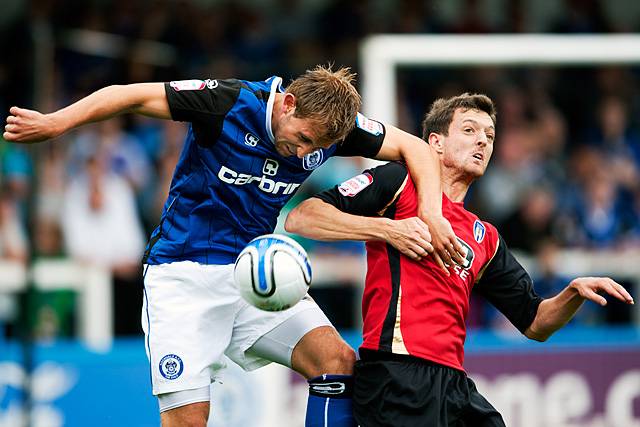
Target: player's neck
[
  {"x": 277, "y": 111},
  {"x": 455, "y": 186}
]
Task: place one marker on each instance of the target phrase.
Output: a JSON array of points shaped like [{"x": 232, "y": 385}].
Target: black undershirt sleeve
[
  {"x": 386, "y": 181},
  {"x": 205, "y": 108},
  {"x": 362, "y": 142},
  {"x": 507, "y": 286}
]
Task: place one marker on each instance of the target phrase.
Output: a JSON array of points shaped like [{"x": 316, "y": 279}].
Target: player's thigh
[
  {"x": 260, "y": 337},
  {"x": 193, "y": 414},
  {"x": 188, "y": 314}
]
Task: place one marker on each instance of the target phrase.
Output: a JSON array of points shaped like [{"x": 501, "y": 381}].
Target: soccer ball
[{"x": 272, "y": 272}]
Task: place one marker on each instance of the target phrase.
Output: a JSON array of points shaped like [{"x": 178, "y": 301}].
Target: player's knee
[
  {"x": 322, "y": 351},
  {"x": 347, "y": 360},
  {"x": 340, "y": 361}
]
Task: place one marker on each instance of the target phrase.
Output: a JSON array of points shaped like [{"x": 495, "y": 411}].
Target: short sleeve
[
  {"x": 507, "y": 286},
  {"x": 365, "y": 139},
  {"x": 368, "y": 193},
  {"x": 204, "y": 103}
]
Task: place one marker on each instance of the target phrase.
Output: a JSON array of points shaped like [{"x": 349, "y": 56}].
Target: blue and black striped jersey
[{"x": 230, "y": 183}]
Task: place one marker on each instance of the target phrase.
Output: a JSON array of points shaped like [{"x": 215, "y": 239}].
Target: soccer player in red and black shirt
[{"x": 411, "y": 369}]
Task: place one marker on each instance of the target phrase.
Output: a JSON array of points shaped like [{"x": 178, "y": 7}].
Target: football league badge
[{"x": 353, "y": 186}]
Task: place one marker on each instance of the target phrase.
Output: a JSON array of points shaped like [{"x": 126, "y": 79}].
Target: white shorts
[{"x": 193, "y": 316}]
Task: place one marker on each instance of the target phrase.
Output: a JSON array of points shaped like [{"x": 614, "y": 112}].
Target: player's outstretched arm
[
  {"x": 424, "y": 167},
  {"x": 554, "y": 313},
  {"x": 318, "y": 220},
  {"x": 28, "y": 126}
]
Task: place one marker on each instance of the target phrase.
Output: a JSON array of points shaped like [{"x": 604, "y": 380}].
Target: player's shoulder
[
  {"x": 261, "y": 89},
  {"x": 382, "y": 179},
  {"x": 483, "y": 231},
  {"x": 391, "y": 169}
]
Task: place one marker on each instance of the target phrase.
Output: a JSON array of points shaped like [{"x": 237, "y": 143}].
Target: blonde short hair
[{"x": 328, "y": 98}]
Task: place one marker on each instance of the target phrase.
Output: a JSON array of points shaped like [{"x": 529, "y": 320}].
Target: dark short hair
[{"x": 440, "y": 115}]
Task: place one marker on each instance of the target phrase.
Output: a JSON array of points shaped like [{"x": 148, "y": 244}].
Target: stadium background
[{"x": 563, "y": 188}]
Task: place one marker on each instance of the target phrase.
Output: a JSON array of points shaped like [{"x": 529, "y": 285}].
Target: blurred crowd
[{"x": 565, "y": 171}]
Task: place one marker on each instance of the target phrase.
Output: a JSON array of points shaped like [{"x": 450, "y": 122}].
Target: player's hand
[
  {"x": 591, "y": 287},
  {"x": 411, "y": 237},
  {"x": 446, "y": 247},
  {"x": 29, "y": 126}
]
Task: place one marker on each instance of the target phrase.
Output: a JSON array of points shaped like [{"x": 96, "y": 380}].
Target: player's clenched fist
[
  {"x": 29, "y": 126},
  {"x": 411, "y": 237}
]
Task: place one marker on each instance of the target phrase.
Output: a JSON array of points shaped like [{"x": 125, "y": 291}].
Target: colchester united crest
[{"x": 478, "y": 231}]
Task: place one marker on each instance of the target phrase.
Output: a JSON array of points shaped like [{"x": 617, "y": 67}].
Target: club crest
[
  {"x": 171, "y": 366},
  {"x": 478, "y": 231},
  {"x": 312, "y": 160}
]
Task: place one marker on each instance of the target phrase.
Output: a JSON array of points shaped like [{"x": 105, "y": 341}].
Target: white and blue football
[{"x": 272, "y": 272}]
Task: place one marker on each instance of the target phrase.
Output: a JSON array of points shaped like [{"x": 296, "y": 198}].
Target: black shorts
[{"x": 404, "y": 391}]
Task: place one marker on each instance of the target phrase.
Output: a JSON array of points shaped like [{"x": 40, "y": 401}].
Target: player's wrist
[
  {"x": 383, "y": 230},
  {"x": 57, "y": 124},
  {"x": 431, "y": 217}
]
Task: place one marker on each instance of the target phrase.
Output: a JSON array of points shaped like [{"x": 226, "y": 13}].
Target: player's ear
[
  {"x": 289, "y": 102},
  {"x": 435, "y": 140}
]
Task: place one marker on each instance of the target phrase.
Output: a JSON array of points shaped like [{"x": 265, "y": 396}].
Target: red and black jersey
[{"x": 412, "y": 307}]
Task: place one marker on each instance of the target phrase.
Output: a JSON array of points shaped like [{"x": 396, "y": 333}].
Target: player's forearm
[
  {"x": 554, "y": 313},
  {"x": 143, "y": 98},
  {"x": 423, "y": 164},
  {"x": 424, "y": 167},
  {"x": 318, "y": 220}
]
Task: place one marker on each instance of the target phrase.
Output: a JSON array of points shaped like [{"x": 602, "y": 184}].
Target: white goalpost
[{"x": 381, "y": 55}]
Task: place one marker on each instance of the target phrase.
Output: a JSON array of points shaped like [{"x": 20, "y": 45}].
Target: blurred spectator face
[
  {"x": 601, "y": 191},
  {"x": 512, "y": 107},
  {"x": 547, "y": 255},
  {"x": 538, "y": 208},
  {"x": 48, "y": 238},
  {"x": 552, "y": 132},
  {"x": 613, "y": 117},
  {"x": 515, "y": 148},
  {"x": 584, "y": 162}
]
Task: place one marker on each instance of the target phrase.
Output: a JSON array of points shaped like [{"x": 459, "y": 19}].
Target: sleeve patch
[
  {"x": 353, "y": 186},
  {"x": 179, "y": 85},
  {"x": 369, "y": 125}
]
